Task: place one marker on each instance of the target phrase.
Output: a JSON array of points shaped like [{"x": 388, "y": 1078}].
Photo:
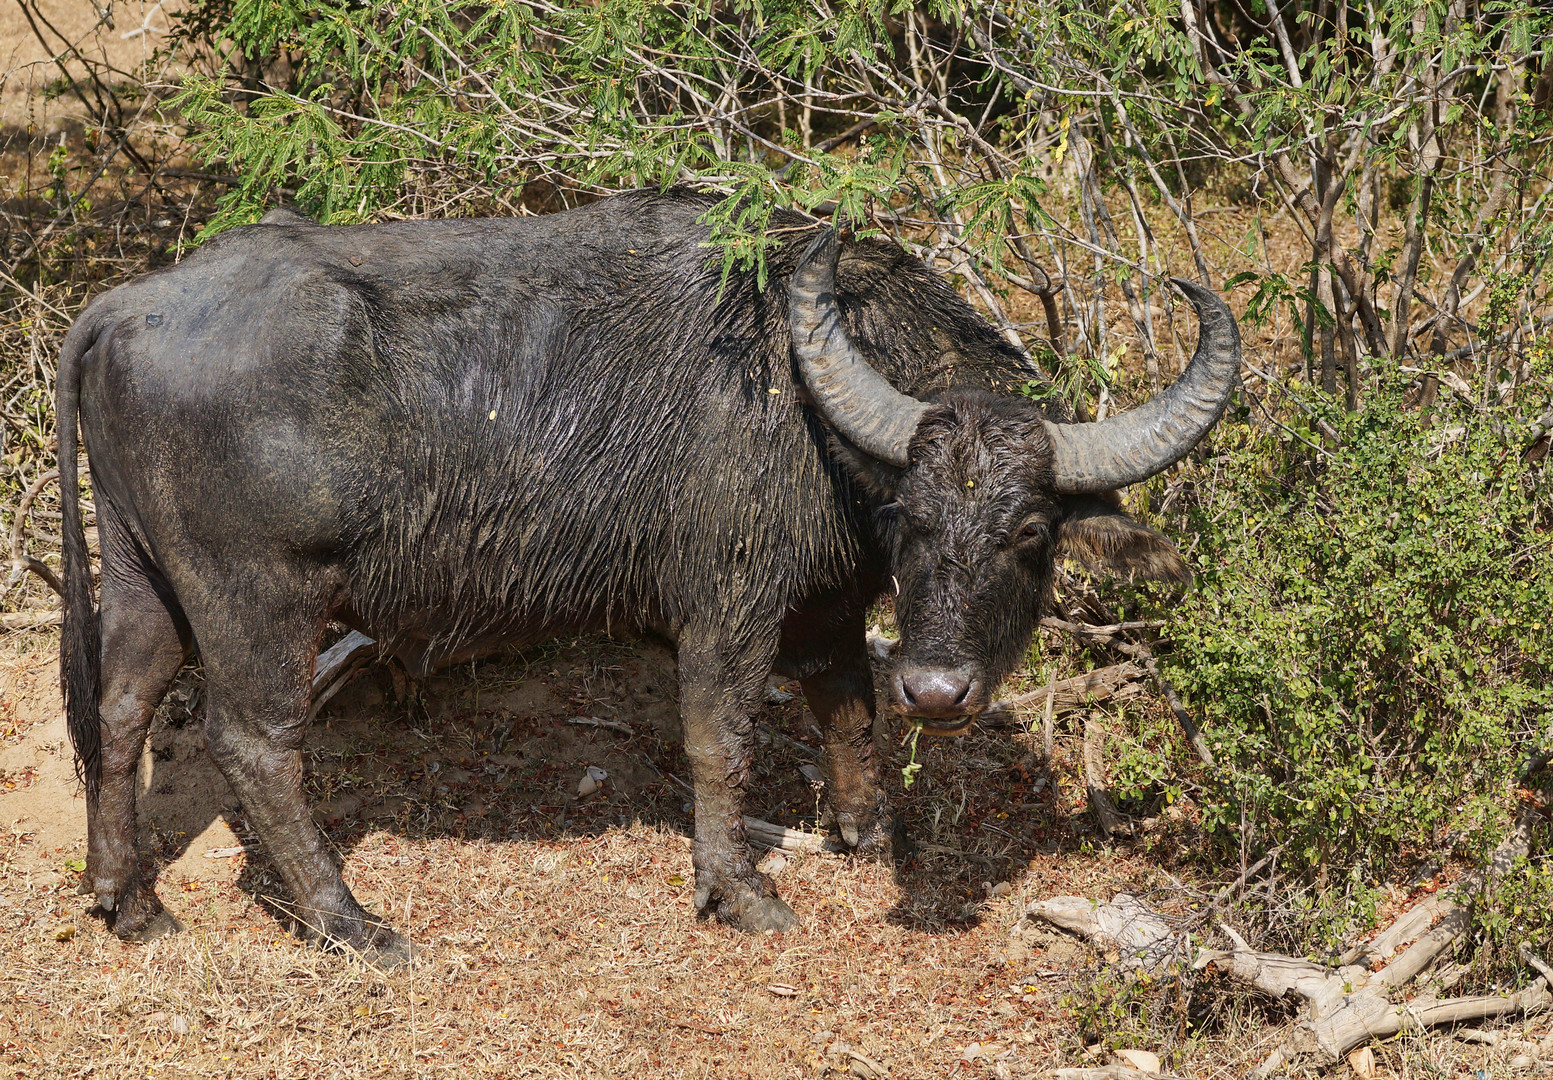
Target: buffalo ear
[
  {"x": 1097, "y": 532},
  {"x": 878, "y": 479}
]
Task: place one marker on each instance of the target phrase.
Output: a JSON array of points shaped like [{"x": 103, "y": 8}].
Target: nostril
[
  {"x": 964, "y": 686},
  {"x": 903, "y": 686}
]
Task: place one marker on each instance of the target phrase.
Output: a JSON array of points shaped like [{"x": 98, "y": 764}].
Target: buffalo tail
[{"x": 80, "y": 662}]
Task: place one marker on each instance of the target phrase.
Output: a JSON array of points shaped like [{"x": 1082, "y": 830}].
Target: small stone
[
  {"x": 1139, "y": 1059},
  {"x": 820, "y": 1038},
  {"x": 1002, "y": 888},
  {"x": 971, "y": 1053},
  {"x": 1362, "y": 1062},
  {"x": 179, "y": 1024},
  {"x": 811, "y": 773},
  {"x": 775, "y": 695},
  {"x": 774, "y": 863},
  {"x": 1002, "y": 1071},
  {"x": 1523, "y": 1061},
  {"x": 64, "y": 933},
  {"x": 882, "y": 647},
  {"x": 591, "y": 781},
  {"x": 865, "y": 1066}
]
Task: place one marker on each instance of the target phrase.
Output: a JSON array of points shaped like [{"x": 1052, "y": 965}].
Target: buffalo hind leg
[
  {"x": 717, "y": 696},
  {"x": 143, "y": 645},
  {"x": 842, "y": 700},
  {"x": 259, "y": 675}
]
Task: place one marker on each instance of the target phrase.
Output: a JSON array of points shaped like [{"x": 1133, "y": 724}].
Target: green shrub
[{"x": 1370, "y": 641}]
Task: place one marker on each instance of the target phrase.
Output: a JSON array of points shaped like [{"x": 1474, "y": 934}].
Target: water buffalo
[{"x": 459, "y": 435}]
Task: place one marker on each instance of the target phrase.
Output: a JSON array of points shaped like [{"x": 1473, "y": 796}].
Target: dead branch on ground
[
  {"x": 1343, "y": 1007},
  {"x": 1118, "y": 682}
]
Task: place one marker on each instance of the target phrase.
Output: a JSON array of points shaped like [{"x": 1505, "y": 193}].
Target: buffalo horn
[
  {"x": 1125, "y": 449},
  {"x": 854, "y": 397}
]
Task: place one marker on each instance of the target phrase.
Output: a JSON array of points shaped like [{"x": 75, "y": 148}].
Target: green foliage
[
  {"x": 1519, "y": 912},
  {"x": 1131, "y": 1010},
  {"x": 962, "y": 128},
  {"x": 511, "y": 93},
  {"x": 1370, "y": 642}
]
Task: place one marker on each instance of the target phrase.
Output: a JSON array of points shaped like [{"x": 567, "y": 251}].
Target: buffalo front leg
[
  {"x": 259, "y": 702},
  {"x": 142, "y": 649},
  {"x": 842, "y": 700},
  {"x": 716, "y": 700}
]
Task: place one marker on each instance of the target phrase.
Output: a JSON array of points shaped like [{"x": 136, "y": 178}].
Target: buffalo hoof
[
  {"x": 756, "y": 914},
  {"x": 363, "y": 937},
  {"x": 754, "y": 908},
  {"x": 874, "y": 836},
  {"x": 160, "y": 924},
  {"x": 134, "y": 913},
  {"x": 389, "y": 954}
]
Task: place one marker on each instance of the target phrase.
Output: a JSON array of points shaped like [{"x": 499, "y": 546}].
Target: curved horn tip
[{"x": 1194, "y": 291}]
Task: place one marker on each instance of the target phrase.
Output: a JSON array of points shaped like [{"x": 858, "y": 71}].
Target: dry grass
[{"x": 556, "y": 934}]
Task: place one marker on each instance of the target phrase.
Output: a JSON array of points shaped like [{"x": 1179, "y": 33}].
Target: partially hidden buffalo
[{"x": 460, "y": 435}]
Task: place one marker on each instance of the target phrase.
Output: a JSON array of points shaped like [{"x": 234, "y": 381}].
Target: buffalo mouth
[{"x": 958, "y": 726}]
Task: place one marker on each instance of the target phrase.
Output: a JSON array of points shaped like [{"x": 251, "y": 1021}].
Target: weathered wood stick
[
  {"x": 31, "y": 620},
  {"x": 594, "y": 721},
  {"x": 1110, "y": 630},
  {"x": 1107, "y": 1072},
  {"x": 22, "y": 564},
  {"x": 337, "y": 665},
  {"x": 1119, "y": 682},
  {"x": 1110, "y": 819},
  {"x": 765, "y": 834}
]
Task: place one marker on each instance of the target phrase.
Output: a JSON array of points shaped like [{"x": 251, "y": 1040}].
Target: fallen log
[
  {"x": 31, "y": 620},
  {"x": 1119, "y": 682},
  {"x": 1345, "y": 1007},
  {"x": 765, "y": 834},
  {"x": 1142, "y": 937}
]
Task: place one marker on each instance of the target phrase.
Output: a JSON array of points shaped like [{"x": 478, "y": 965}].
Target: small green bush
[{"x": 1370, "y": 641}]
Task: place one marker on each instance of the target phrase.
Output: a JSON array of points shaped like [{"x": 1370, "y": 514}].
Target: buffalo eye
[
  {"x": 911, "y": 521},
  {"x": 1035, "y": 528}
]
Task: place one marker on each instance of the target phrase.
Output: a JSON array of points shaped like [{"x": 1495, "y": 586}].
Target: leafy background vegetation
[{"x": 1368, "y": 644}]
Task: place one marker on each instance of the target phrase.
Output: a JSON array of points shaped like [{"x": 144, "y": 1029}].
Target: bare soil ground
[
  {"x": 556, "y": 933},
  {"x": 57, "y": 35}
]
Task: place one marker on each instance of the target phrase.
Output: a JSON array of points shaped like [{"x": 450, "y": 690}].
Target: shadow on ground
[{"x": 495, "y": 751}]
